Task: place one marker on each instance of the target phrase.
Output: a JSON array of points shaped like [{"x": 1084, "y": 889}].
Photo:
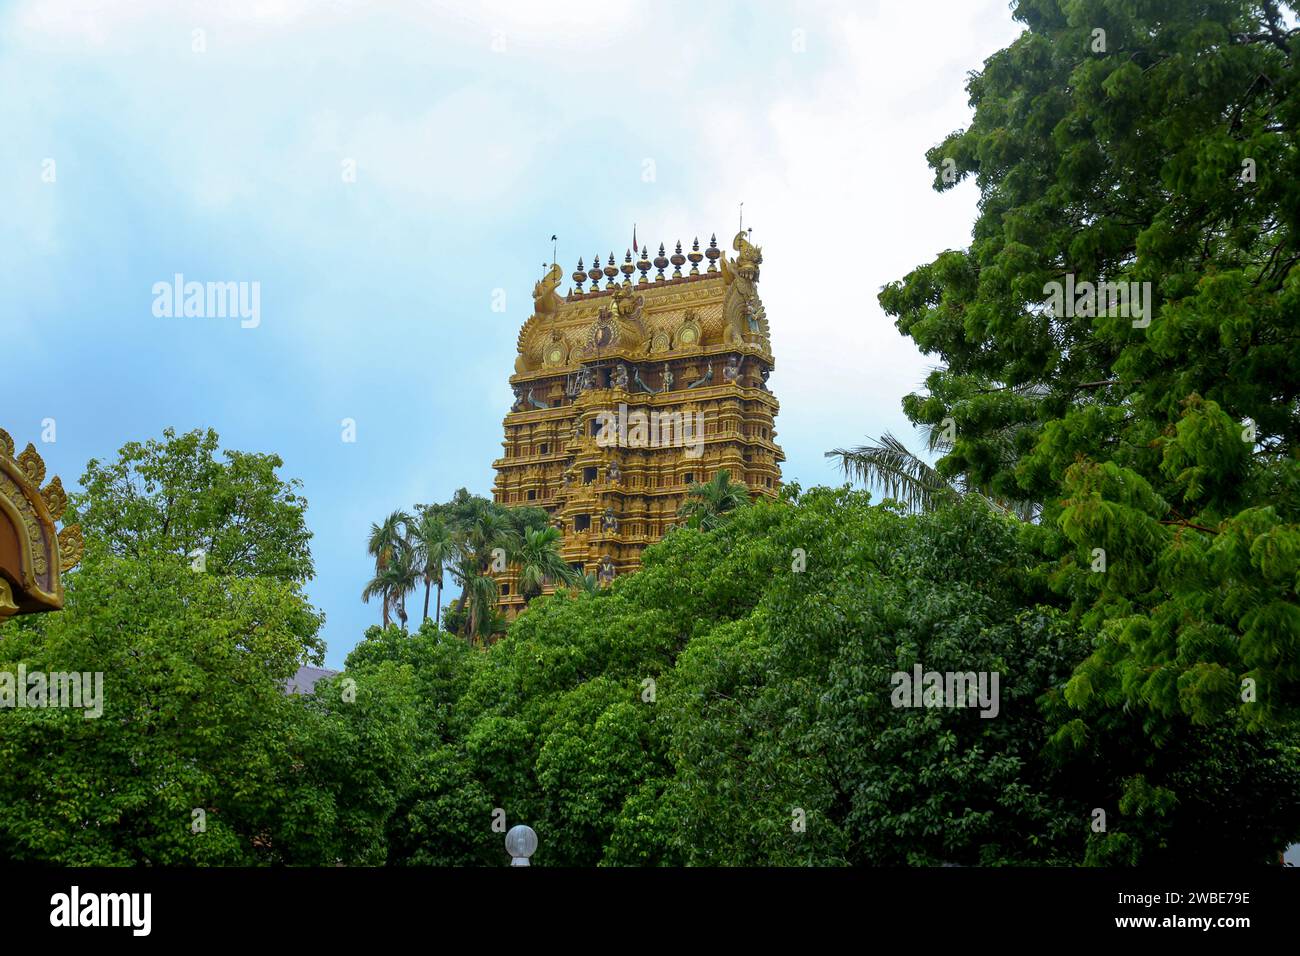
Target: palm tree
[
  {"x": 388, "y": 538},
  {"x": 706, "y": 503},
  {"x": 540, "y": 562},
  {"x": 402, "y": 574},
  {"x": 479, "y": 593},
  {"x": 482, "y": 527},
  {"x": 434, "y": 547},
  {"x": 388, "y": 541},
  {"x": 904, "y": 477},
  {"x": 585, "y": 583},
  {"x": 488, "y": 527},
  {"x": 900, "y": 474},
  {"x": 377, "y": 587},
  {"x": 392, "y": 583}
]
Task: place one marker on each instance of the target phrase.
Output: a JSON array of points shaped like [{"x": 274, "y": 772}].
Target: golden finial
[
  {"x": 594, "y": 273},
  {"x": 695, "y": 256},
  {"x": 611, "y": 272},
  {"x": 644, "y": 265},
  {"x": 628, "y": 268},
  {"x": 678, "y": 260},
  {"x": 661, "y": 263},
  {"x": 579, "y": 277},
  {"x": 713, "y": 252}
]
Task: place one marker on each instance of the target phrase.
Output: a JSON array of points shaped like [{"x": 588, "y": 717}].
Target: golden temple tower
[{"x": 627, "y": 393}]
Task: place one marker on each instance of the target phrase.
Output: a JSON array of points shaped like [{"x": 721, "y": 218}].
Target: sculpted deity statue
[
  {"x": 605, "y": 569},
  {"x": 668, "y": 379},
  {"x": 608, "y": 522},
  {"x": 614, "y": 472},
  {"x": 731, "y": 372},
  {"x": 619, "y": 378}
]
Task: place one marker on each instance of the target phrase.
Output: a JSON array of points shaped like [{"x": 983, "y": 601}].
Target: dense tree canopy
[
  {"x": 1151, "y": 143},
  {"x": 189, "y": 602},
  {"x": 722, "y": 707}
]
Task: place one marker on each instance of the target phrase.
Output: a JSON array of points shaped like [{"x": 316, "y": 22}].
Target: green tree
[
  {"x": 708, "y": 501},
  {"x": 397, "y": 578},
  {"x": 389, "y": 545},
  {"x": 479, "y": 594},
  {"x": 540, "y": 562},
  {"x": 1151, "y": 145},
  {"x": 197, "y": 756},
  {"x": 389, "y": 538},
  {"x": 683, "y": 714},
  {"x": 435, "y": 547}
]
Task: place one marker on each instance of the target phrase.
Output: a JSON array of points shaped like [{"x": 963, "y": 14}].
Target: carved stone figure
[
  {"x": 614, "y": 472},
  {"x": 605, "y": 569},
  {"x": 668, "y": 379},
  {"x": 731, "y": 372},
  {"x": 608, "y": 522},
  {"x": 620, "y": 376}
]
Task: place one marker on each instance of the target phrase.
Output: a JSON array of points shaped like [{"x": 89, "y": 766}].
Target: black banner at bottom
[{"x": 536, "y": 905}]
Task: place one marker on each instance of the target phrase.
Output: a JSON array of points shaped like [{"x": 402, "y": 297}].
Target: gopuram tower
[{"x": 631, "y": 389}]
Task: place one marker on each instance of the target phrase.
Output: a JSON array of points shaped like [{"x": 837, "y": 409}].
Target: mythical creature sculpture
[
  {"x": 741, "y": 308},
  {"x": 535, "y": 403},
  {"x": 627, "y": 304},
  {"x": 545, "y": 300}
]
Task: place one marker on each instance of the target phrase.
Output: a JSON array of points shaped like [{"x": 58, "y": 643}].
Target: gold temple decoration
[
  {"x": 33, "y": 553},
  {"x": 688, "y": 345}
]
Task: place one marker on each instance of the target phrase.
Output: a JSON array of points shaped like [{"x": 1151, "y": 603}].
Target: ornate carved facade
[
  {"x": 627, "y": 393},
  {"x": 33, "y": 553}
]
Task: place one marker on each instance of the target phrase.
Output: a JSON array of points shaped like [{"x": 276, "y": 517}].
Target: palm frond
[{"x": 900, "y": 474}]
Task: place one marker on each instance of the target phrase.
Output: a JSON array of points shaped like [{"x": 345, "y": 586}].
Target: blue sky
[{"x": 476, "y": 132}]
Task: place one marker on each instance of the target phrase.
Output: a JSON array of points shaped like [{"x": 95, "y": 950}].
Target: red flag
[{"x": 634, "y": 249}]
